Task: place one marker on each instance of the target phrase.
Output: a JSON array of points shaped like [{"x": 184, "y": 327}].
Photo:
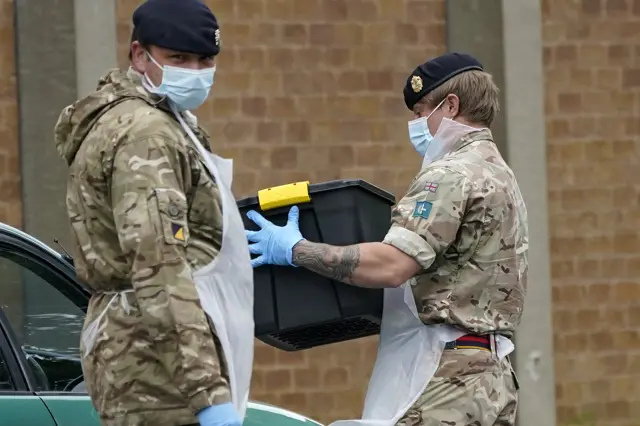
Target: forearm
[{"x": 373, "y": 265}]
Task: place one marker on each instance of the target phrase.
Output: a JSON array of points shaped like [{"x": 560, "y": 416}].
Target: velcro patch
[
  {"x": 422, "y": 209},
  {"x": 178, "y": 231}
]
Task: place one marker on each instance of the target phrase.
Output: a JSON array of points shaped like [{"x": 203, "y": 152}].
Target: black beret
[
  {"x": 182, "y": 25},
  {"x": 435, "y": 73}
]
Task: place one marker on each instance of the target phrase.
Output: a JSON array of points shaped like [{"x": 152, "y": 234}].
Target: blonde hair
[{"x": 477, "y": 92}]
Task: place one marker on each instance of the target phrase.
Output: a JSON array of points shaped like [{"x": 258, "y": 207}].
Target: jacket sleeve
[
  {"x": 150, "y": 212},
  {"x": 436, "y": 212}
]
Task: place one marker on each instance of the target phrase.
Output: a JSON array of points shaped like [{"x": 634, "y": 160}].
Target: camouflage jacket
[
  {"x": 144, "y": 213},
  {"x": 466, "y": 211}
]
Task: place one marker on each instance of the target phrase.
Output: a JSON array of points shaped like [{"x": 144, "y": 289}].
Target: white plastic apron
[
  {"x": 225, "y": 286},
  {"x": 448, "y": 134},
  {"x": 408, "y": 356}
]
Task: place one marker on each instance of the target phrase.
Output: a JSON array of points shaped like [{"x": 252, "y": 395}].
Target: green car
[{"x": 42, "y": 308}]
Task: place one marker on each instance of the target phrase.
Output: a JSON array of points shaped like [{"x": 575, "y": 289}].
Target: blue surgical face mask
[
  {"x": 187, "y": 89},
  {"x": 419, "y": 133}
]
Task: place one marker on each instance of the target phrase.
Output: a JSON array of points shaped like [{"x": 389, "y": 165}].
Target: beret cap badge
[{"x": 416, "y": 83}]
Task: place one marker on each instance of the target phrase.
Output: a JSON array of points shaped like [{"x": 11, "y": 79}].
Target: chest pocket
[{"x": 172, "y": 216}]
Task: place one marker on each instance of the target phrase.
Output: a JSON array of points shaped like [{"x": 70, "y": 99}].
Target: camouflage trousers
[{"x": 470, "y": 387}]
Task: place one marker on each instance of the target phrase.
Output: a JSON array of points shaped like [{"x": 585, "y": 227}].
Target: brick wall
[
  {"x": 592, "y": 69},
  {"x": 10, "y": 197},
  {"x": 311, "y": 90}
]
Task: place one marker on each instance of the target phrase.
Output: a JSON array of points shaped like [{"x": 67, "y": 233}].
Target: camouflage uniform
[
  {"x": 144, "y": 214},
  {"x": 471, "y": 387},
  {"x": 466, "y": 209}
]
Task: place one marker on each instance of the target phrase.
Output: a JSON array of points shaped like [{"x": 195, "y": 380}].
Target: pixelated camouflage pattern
[
  {"x": 477, "y": 229},
  {"x": 145, "y": 213},
  {"x": 470, "y": 387}
]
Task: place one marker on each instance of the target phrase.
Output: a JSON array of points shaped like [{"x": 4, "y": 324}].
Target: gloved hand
[
  {"x": 273, "y": 243},
  {"x": 219, "y": 415}
]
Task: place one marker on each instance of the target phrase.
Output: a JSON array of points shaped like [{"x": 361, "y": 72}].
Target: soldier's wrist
[{"x": 208, "y": 397}]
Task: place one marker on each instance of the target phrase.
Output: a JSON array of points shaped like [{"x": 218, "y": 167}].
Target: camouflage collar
[{"x": 474, "y": 136}]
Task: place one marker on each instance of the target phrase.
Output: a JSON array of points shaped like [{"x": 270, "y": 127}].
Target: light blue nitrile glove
[
  {"x": 219, "y": 415},
  {"x": 274, "y": 244}
]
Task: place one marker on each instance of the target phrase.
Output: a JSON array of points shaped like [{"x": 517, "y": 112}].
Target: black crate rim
[{"x": 332, "y": 185}]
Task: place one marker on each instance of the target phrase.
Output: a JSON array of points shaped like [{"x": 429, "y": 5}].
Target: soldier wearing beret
[
  {"x": 453, "y": 264},
  {"x": 147, "y": 200}
]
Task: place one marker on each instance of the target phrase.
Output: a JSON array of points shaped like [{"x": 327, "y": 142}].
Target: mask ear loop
[
  {"x": 154, "y": 61},
  {"x": 436, "y": 108},
  {"x": 426, "y": 119},
  {"x": 146, "y": 81}
]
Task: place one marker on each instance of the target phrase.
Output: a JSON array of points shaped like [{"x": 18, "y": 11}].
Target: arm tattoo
[{"x": 337, "y": 263}]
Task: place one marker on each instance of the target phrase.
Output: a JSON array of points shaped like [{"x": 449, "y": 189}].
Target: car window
[
  {"x": 47, "y": 324},
  {"x": 5, "y": 378}
]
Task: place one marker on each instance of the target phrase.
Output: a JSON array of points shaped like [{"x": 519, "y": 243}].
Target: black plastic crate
[{"x": 297, "y": 309}]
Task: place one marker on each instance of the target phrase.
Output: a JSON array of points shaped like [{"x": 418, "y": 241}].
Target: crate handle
[{"x": 284, "y": 195}]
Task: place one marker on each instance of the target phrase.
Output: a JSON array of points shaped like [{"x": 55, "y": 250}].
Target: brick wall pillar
[
  {"x": 511, "y": 30},
  {"x": 61, "y": 52}
]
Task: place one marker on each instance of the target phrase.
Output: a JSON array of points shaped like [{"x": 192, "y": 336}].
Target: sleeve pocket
[{"x": 172, "y": 211}]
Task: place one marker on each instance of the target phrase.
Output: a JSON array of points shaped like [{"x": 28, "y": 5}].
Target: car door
[
  {"x": 43, "y": 309},
  {"x": 18, "y": 405}
]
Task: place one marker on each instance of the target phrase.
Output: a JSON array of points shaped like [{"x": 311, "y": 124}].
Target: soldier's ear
[
  {"x": 138, "y": 57},
  {"x": 452, "y": 105}
]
